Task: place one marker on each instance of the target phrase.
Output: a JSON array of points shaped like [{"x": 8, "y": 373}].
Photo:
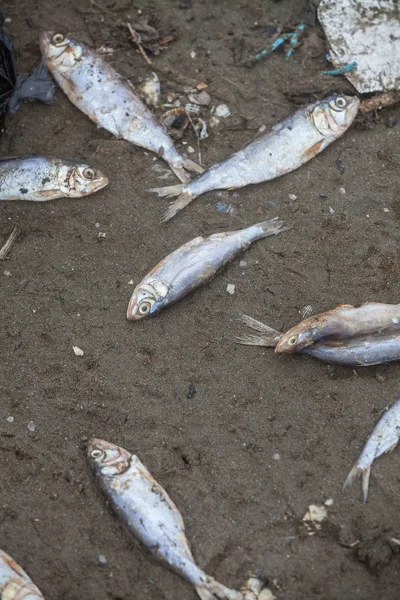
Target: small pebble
[
  {"x": 391, "y": 121},
  {"x": 190, "y": 150},
  {"x": 386, "y": 210},
  {"x": 242, "y": 263},
  {"x": 331, "y": 210},
  {"x": 277, "y": 456},
  {"x": 292, "y": 197},
  {"x": 230, "y": 288},
  {"x": 130, "y": 282},
  {"x": 193, "y": 54},
  {"x": 328, "y": 502},
  {"x": 77, "y": 351},
  {"x": 10, "y": 419},
  {"x": 97, "y": 225},
  {"x": 7, "y": 273},
  {"x": 342, "y": 190},
  {"x": 102, "y": 559},
  {"x": 31, "y": 426},
  {"x": 101, "y": 234}
]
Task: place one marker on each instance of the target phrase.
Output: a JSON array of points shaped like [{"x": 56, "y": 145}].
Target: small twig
[
  {"x": 136, "y": 40},
  {"x": 378, "y": 102},
  {"x": 7, "y": 246}
]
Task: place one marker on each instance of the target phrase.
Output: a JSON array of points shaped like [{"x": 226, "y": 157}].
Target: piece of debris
[
  {"x": 230, "y": 288},
  {"x": 9, "y": 243},
  {"x": 292, "y": 197},
  {"x": 202, "y": 98},
  {"x": 150, "y": 90},
  {"x": 365, "y": 33},
  {"x": 222, "y": 111},
  {"x": 77, "y": 351},
  {"x": 136, "y": 39},
  {"x": 329, "y": 502},
  {"x": 149, "y": 38},
  {"x": 102, "y": 559},
  {"x": 379, "y": 102},
  {"x": 315, "y": 515},
  {"x": 224, "y": 207},
  {"x": 190, "y": 150},
  {"x": 175, "y": 121},
  {"x": 342, "y": 70},
  {"x": 191, "y": 391},
  {"x": 10, "y": 419},
  {"x": 293, "y": 38},
  {"x": 31, "y": 426},
  {"x": 306, "y": 312},
  {"x": 192, "y": 54}
]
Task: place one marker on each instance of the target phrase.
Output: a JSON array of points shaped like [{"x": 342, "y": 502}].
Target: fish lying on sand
[
  {"x": 15, "y": 584},
  {"x": 291, "y": 143},
  {"x": 150, "y": 515},
  {"x": 384, "y": 438},
  {"x": 360, "y": 351},
  {"x": 37, "y": 178},
  {"x": 105, "y": 97},
  {"x": 191, "y": 265},
  {"x": 343, "y": 322}
]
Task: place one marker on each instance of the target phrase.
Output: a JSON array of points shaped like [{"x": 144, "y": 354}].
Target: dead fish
[
  {"x": 150, "y": 515},
  {"x": 15, "y": 584},
  {"x": 360, "y": 351},
  {"x": 343, "y": 322},
  {"x": 104, "y": 96},
  {"x": 290, "y": 144},
  {"x": 37, "y": 178},
  {"x": 191, "y": 265},
  {"x": 384, "y": 438}
]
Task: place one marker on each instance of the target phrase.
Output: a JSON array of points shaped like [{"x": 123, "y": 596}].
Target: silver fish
[
  {"x": 360, "y": 351},
  {"x": 150, "y": 515},
  {"x": 291, "y": 143},
  {"x": 37, "y": 178},
  {"x": 191, "y": 265},
  {"x": 106, "y": 98},
  {"x": 384, "y": 438},
  {"x": 15, "y": 584},
  {"x": 343, "y": 322}
]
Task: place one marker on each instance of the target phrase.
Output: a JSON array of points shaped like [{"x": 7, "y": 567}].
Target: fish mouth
[
  {"x": 97, "y": 185},
  {"x": 133, "y": 314}
]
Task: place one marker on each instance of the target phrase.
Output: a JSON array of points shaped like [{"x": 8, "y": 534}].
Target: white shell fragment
[
  {"x": 365, "y": 32},
  {"x": 77, "y": 351},
  {"x": 150, "y": 90},
  {"x": 315, "y": 515},
  {"x": 230, "y": 288},
  {"x": 222, "y": 111}
]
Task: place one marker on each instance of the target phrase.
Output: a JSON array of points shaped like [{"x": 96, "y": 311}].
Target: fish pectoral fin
[{"x": 256, "y": 340}]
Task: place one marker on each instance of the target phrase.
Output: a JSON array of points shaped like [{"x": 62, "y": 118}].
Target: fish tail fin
[
  {"x": 271, "y": 227},
  {"x": 190, "y": 165},
  {"x": 352, "y": 476},
  {"x": 183, "y": 200},
  {"x": 170, "y": 191},
  {"x": 269, "y": 337},
  {"x": 211, "y": 589},
  {"x": 365, "y": 483},
  {"x": 181, "y": 168}
]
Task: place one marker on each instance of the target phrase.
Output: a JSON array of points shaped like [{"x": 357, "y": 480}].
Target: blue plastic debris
[
  {"x": 224, "y": 207},
  {"x": 345, "y": 69},
  {"x": 294, "y": 38}
]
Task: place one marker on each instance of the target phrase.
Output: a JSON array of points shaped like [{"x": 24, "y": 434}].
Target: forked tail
[
  {"x": 354, "y": 474},
  {"x": 212, "y": 590},
  {"x": 171, "y": 191},
  {"x": 270, "y": 337}
]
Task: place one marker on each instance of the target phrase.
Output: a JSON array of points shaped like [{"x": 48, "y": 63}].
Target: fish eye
[
  {"x": 57, "y": 38},
  {"x": 89, "y": 173},
  {"x": 144, "y": 308},
  {"x": 97, "y": 453},
  {"x": 292, "y": 340},
  {"x": 340, "y": 102}
]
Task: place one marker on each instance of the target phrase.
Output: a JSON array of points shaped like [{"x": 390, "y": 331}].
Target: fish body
[
  {"x": 191, "y": 265},
  {"x": 150, "y": 515},
  {"x": 38, "y": 179},
  {"x": 15, "y": 584},
  {"x": 343, "y": 322},
  {"x": 360, "y": 351},
  {"x": 384, "y": 438},
  {"x": 105, "y": 97},
  {"x": 291, "y": 143}
]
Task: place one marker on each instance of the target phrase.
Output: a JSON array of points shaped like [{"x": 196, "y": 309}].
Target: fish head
[
  {"x": 298, "y": 337},
  {"x": 146, "y": 299},
  {"x": 61, "y": 52},
  {"x": 76, "y": 181},
  {"x": 334, "y": 115},
  {"x": 108, "y": 459}
]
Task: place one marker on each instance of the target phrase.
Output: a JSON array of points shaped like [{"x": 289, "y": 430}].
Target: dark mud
[{"x": 214, "y": 452}]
